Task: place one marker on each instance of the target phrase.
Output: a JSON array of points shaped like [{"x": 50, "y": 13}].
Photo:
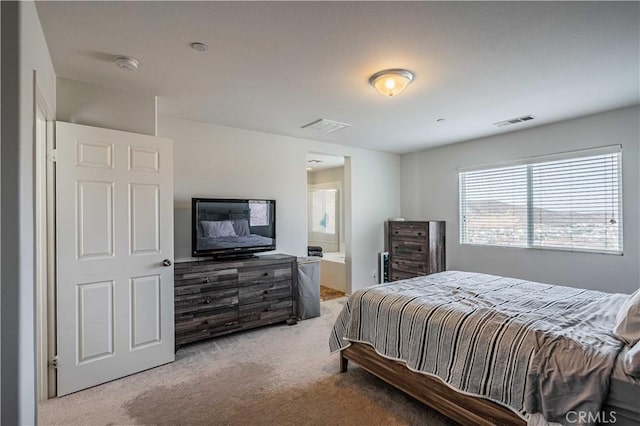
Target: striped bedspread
[{"x": 535, "y": 348}]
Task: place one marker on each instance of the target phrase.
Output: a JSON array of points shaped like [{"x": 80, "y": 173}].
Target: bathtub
[{"x": 333, "y": 272}]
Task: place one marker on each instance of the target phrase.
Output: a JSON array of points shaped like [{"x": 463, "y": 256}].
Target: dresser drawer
[
  {"x": 194, "y": 289},
  {"x": 408, "y": 230},
  {"x": 206, "y": 300},
  {"x": 408, "y": 256},
  {"x": 265, "y": 291},
  {"x": 220, "y": 279},
  {"x": 252, "y": 276},
  {"x": 403, "y": 275},
  {"x": 409, "y": 266},
  {"x": 194, "y": 320},
  {"x": 202, "y": 325},
  {"x": 265, "y": 312},
  {"x": 415, "y": 247}
]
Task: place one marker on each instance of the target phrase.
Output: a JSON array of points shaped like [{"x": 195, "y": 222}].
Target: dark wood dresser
[
  {"x": 415, "y": 248},
  {"x": 213, "y": 298}
]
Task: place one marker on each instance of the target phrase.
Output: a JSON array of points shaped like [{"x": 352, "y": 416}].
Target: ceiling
[{"x": 274, "y": 67}]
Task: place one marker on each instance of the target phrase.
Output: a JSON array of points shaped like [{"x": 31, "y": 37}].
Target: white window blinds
[
  {"x": 494, "y": 206},
  {"x": 569, "y": 201},
  {"x": 323, "y": 210},
  {"x": 259, "y": 213}
]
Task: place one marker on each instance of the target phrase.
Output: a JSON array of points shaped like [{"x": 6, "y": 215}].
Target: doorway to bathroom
[{"x": 327, "y": 206}]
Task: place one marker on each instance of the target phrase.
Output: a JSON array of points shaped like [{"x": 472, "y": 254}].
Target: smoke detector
[
  {"x": 514, "y": 120},
  {"x": 127, "y": 63},
  {"x": 326, "y": 126},
  {"x": 199, "y": 46}
]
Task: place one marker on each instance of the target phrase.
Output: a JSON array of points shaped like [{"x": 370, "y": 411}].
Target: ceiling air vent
[
  {"x": 326, "y": 126},
  {"x": 514, "y": 120}
]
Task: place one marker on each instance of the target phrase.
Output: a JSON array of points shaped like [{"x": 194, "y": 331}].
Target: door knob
[{"x": 166, "y": 262}]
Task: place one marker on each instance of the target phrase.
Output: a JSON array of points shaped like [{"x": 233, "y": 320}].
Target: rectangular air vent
[
  {"x": 326, "y": 126},
  {"x": 514, "y": 120}
]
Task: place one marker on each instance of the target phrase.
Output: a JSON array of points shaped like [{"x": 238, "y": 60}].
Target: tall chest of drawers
[
  {"x": 415, "y": 248},
  {"x": 213, "y": 298}
]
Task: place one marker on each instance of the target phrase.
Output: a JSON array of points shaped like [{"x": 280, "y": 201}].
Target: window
[
  {"x": 323, "y": 210},
  {"x": 569, "y": 201},
  {"x": 259, "y": 213}
]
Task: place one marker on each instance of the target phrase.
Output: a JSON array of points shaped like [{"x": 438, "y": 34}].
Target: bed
[
  {"x": 624, "y": 395},
  {"x": 484, "y": 349}
]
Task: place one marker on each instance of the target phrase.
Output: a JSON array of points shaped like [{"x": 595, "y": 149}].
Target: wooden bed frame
[{"x": 464, "y": 409}]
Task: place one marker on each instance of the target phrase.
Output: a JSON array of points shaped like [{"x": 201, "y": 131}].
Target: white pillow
[
  {"x": 218, "y": 228},
  {"x": 627, "y": 326},
  {"x": 631, "y": 362},
  {"x": 241, "y": 227}
]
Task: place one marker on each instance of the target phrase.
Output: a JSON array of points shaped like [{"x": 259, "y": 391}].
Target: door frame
[
  {"x": 346, "y": 198},
  {"x": 44, "y": 208}
]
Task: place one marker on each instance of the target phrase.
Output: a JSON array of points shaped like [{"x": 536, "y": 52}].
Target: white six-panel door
[{"x": 114, "y": 210}]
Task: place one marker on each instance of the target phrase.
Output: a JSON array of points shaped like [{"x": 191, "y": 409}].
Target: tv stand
[{"x": 217, "y": 297}]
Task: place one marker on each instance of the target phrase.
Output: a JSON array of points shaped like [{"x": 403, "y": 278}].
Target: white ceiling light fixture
[
  {"x": 391, "y": 82},
  {"x": 127, "y": 63},
  {"x": 199, "y": 46}
]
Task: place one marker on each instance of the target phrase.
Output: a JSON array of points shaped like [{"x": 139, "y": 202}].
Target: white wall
[
  {"x": 334, "y": 174},
  {"x": 98, "y": 106},
  {"x": 217, "y": 161},
  {"x": 430, "y": 191},
  {"x": 24, "y": 50}
]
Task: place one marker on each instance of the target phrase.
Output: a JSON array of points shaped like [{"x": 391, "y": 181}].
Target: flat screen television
[{"x": 231, "y": 227}]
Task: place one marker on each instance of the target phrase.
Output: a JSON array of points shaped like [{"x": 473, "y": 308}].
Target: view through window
[
  {"x": 569, "y": 201},
  {"x": 259, "y": 213},
  {"x": 323, "y": 210}
]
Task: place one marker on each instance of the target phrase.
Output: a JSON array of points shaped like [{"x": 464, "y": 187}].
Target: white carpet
[{"x": 279, "y": 374}]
